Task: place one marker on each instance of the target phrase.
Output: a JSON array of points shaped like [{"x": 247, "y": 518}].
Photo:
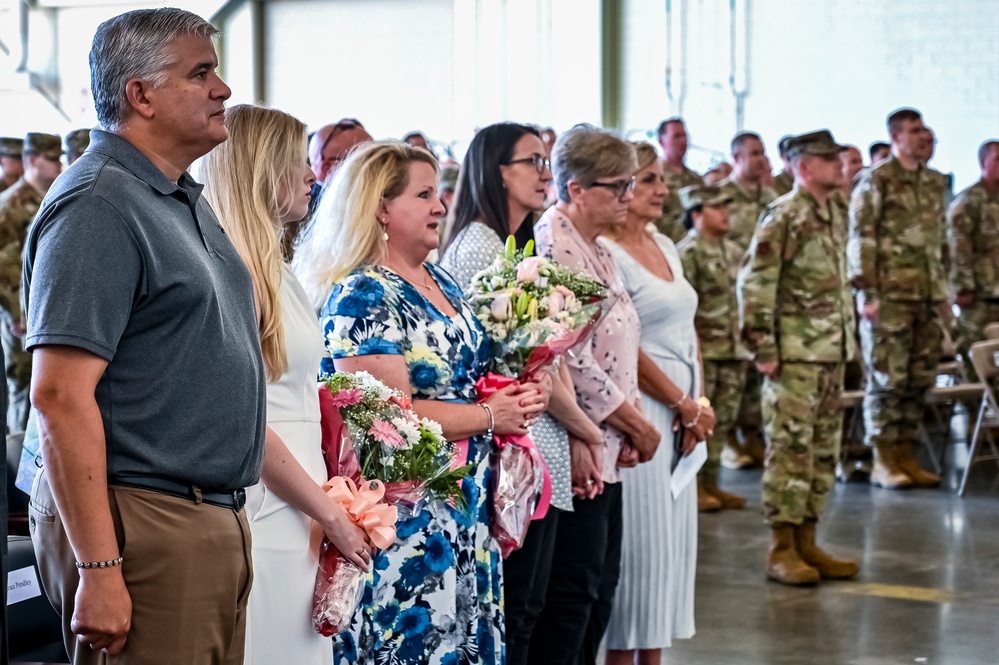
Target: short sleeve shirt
[
  {"x": 374, "y": 311},
  {"x": 134, "y": 268}
]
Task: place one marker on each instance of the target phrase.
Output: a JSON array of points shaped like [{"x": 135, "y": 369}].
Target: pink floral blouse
[{"x": 605, "y": 368}]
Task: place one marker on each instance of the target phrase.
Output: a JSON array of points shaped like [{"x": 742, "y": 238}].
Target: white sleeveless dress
[
  {"x": 655, "y": 596},
  {"x": 279, "y": 613}
]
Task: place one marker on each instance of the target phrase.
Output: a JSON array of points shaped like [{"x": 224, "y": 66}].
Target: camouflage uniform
[
  {"x": 671, "y": 223},
  {"x": 18, "y": 206},
  {"x": 76, "y": 142},
  {"x": 744, "y": 213},
  {"x": 9, "y": 147},
  {"x": 711, "y": 267},
  {"x": 896, "y": 254},
  {"x": 783, "y": 183},
  {"x": 796, "y": 308},
  {"x": 973, "y": 232}
]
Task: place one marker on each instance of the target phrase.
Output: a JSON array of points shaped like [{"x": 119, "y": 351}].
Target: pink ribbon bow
[{"x": 364, "y": 509}]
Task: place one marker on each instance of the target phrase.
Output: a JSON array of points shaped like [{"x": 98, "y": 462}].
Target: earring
[{"x": 384, "y": 229}]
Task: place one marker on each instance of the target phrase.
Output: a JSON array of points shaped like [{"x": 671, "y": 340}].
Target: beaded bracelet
[
  {"x": 697, "y": 417},
  {"x": 99, "y": 564},
  {"x": 678, "y": 402},
  {"x": 489, "y": 412}
]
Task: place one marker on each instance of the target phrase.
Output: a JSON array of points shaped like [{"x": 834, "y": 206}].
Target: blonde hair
[
  {"x": 245, "y": 178},
  {"x": 644, "y": 153},
  {"x": 345, "y": 232}
]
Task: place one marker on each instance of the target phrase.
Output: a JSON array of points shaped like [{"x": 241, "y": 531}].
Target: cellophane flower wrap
[
  {"x": 384, "y": 463},
  {"x": 534, "y": 310}
]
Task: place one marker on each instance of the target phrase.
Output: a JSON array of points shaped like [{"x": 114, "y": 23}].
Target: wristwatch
[{"x": 703, "y": 401}]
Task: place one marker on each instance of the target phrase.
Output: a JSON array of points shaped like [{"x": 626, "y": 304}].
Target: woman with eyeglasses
[
  {"x": 655, "y": 597},
  {"x": 594, "y": 174},
  {"x": 501, "y": 187}
]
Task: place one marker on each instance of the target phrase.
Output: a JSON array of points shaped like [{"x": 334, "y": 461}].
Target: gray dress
[
  {"x": 475, "y": 248},
  {"x": 655, "y": 595}
]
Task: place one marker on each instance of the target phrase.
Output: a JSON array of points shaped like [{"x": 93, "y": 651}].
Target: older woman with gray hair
[{"x": 593, "y": 171}]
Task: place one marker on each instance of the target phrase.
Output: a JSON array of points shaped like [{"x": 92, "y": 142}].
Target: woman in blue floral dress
[{"x": 435, "y": 596}]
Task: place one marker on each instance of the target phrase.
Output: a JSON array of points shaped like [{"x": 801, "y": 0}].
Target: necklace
[{"x": 425, "y": 285}]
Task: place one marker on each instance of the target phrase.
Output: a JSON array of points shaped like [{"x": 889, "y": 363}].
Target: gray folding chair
[
  {"x": 985, "y": 359},
  {"x": 992, "y": 331}
]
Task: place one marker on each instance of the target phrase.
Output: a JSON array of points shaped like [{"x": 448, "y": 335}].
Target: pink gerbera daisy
[
  {"x": 347, "y": 397},
  {"x": 387, "y": 434}
]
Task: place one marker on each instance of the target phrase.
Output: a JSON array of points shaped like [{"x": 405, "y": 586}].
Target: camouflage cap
[
  {"x": 77, "y": 141},
  {"x": 10, "y": 147},
  {"x": 46, "y": 145},
  {"x": 448, "y": 178},
  {"x": 703, "y": 195},
  {"x": 782, "y": 145},
  {"x": 820, "y": 143}
]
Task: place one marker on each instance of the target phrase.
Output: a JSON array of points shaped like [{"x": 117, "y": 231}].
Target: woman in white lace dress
[
  {"x": 501, "y": 187},
  {"x": 257, "y": 182}
]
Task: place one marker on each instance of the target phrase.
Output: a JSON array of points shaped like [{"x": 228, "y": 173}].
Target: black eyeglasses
[
  {"x": 343, "y": 125},
  {"x": 540, "y": 163},
  {"x": 619, "y": 187}
]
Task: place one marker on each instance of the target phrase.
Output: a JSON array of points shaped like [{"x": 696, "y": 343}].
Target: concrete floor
[{"x": 928, "y": 591}]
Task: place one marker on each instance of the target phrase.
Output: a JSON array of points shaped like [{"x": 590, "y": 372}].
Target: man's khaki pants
[{"x": 186, "y": 567}]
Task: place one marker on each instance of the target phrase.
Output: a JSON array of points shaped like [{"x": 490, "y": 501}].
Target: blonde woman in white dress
[
  {"x": 257, "y": 182},
  {"x": 654, "y": 603}
]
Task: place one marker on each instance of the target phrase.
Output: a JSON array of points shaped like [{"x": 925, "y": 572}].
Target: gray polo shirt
[{"x": 136, "y": 269}]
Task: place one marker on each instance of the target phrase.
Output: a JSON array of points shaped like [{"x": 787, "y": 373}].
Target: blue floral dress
[{"x": 435, "y": 596}]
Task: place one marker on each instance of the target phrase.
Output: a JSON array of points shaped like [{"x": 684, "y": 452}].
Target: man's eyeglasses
[
  {"x": 619, "y": 187},
  {"x": 343, "y": 125},
  {"x": 539, "y": 162}
]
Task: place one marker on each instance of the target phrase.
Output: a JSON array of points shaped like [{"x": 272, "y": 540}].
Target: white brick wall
[{"x": 841, "y": 64}]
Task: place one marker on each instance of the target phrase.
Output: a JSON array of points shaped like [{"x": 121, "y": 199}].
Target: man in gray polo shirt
[{"x": 148, "y": 378}]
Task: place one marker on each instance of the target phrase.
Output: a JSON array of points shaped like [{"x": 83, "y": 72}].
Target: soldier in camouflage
[
  {"x": 750, "y": 197},
  {"x": 784, "y": 182},
  {"x": 11, "y": 164},
  {"x": 673, "y": 140},
  {"x": 710, "y": 263},
  {"x": 77, "y": 142},
  {"x": 973, "y": 234},
  {"x": 896, "y": 254},
  {"x": 18, "y": 206},
  {"x": 797, "y": 320}
]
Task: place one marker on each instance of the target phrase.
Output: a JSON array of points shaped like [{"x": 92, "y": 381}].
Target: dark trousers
[
  {"x": 585, "y": 570},
  {"x": 525, "y": 578}
]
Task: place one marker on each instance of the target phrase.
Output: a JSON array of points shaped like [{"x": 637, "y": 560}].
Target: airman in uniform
[
  {"x": 18, "y": 206},
  {"x": 797, "y": 320},
  {"x": 897, "y": 255},
  {"x": 711, "y": 263}
]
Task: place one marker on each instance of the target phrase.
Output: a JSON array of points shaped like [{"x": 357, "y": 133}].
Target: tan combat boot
[
  {"x": 706, "y": 503},
  {"x": 784, "y": 565},
  {"x": 886, "y": 472},
  {"x": 828, "y": 567},
  {"x": 727, "y": 500},
  {"x": 907, "y": 463}
]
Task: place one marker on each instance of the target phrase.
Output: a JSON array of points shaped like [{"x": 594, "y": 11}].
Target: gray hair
[
  {"x": 585, "y": 154},
  {"x": 135, "y": 45}
]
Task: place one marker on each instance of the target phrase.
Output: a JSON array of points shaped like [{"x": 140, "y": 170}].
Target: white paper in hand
[{"x": 686, "y": 470}]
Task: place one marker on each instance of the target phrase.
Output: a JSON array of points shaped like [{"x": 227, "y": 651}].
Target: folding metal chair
[
  {"x": 992, "y": 331},
  {"x": 985, "y": 359}
]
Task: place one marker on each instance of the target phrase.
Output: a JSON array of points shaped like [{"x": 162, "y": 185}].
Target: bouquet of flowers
[
  {"x": 533, "y": 310},
  {"x": 370, "y": 431}
]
